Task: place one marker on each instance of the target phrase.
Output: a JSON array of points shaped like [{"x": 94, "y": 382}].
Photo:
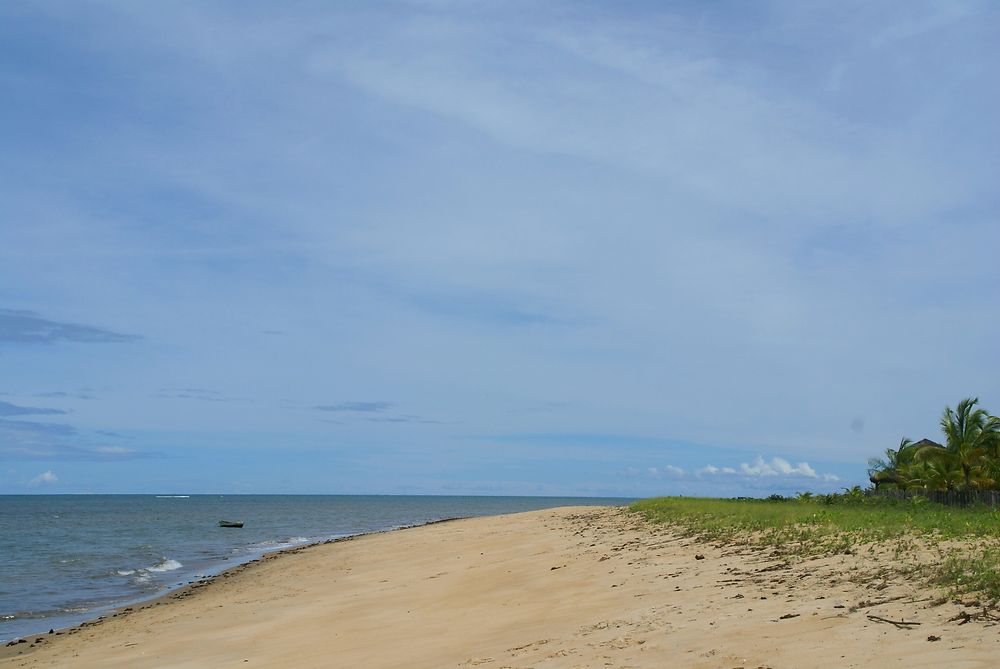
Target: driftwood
[
  {"x": 867, "y": 604},
  {"x": 900, "y": 624}
]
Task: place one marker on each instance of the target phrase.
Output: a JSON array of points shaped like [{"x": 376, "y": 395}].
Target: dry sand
[{"x": 570, "y": 587}]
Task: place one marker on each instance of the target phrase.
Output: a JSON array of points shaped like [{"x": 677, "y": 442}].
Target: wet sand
[{"x": 570, "y": 587}]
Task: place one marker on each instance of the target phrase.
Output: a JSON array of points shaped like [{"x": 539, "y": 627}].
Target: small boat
[{"x": 230, "y": 523}]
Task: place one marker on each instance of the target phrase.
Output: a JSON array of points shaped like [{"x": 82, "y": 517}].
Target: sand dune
[{"x": 571, "y": 587}]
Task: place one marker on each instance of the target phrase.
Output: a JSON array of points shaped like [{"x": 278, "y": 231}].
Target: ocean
[{"x": 68, "y": 558}]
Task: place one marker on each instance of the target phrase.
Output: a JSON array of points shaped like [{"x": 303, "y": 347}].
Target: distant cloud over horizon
[
  {"x": 776, "y": 474},
  {"x": 82, "y": 394},
  {"x": 45, "y": 478},
  {"x": 8, "y": 409},
  {"x": 44, "y": 441},
  {"x": 28, "y": 327},
  {"x": 761, "y": 468}
]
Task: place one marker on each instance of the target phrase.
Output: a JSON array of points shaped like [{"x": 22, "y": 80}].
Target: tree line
[{"x": 969, "y": 458}]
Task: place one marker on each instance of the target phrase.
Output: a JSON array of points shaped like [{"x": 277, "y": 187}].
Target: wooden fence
[{"x": 990, "y": 498}]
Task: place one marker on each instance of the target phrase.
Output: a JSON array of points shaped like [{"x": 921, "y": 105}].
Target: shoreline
[
  {"x": 10, "y": 648},
  {"x": 566, "y": 587},
  {"x": 112, "y": 554}
]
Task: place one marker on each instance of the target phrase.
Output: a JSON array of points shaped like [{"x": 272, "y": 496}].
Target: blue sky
[{"x": 500, "y": 248}]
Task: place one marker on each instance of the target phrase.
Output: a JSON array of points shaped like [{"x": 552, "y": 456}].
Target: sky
[{"x": 433, "y": 247}]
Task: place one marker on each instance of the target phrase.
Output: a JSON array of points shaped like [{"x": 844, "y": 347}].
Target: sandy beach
[{"x": 568, "y": 587}]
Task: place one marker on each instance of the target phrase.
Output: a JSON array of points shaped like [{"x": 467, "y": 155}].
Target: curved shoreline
[{"x": 17, "y": 645}]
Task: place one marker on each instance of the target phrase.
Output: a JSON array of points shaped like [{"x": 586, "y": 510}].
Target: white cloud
[
  {"x": 758, "y": 477},
  {"x": 806, "y": 470},
  {"x": 668, "y": 470},
  {"x": 775, "y": 467},
  {"x": 45, "y": 478}
]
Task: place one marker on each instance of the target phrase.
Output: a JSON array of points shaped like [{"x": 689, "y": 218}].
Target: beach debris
[
  {"x": 867, "y": 604},
  {"x": 965, "y": 617},
  {"x": 933, "y": 638},
  {"x": 900, "y": 624},
  {"x": 789, "y": 615},
  {"x": 699, "y": 556}
]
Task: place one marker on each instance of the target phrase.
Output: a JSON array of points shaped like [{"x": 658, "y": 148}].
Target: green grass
[{"x": 967, "y": 540}]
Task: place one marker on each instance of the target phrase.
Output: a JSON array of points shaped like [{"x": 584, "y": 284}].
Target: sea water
[{"x": 68, "y": 558}]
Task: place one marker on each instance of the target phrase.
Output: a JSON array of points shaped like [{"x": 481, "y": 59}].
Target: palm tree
[
  {"x": 970, "y": 435},
  {"x": 888, "y": 470},
  {"x": 991, "y": 466},
  {"x": 894, "y": 468},
  {"x": 933, "y": 474},
  {"x": 969, "y": 458}
]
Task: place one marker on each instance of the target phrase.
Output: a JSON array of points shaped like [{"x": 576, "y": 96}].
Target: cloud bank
[{"x": 776, "y": 475}]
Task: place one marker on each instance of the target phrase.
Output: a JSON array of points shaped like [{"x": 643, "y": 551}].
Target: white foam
[
  {"x": 273, "y": 543},
  {"x": 125, "y": 572},
  {"x": 166, "y": 565}
]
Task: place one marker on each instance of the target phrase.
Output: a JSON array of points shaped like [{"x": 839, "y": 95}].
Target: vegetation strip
[{"x": 955, "y": 548}]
